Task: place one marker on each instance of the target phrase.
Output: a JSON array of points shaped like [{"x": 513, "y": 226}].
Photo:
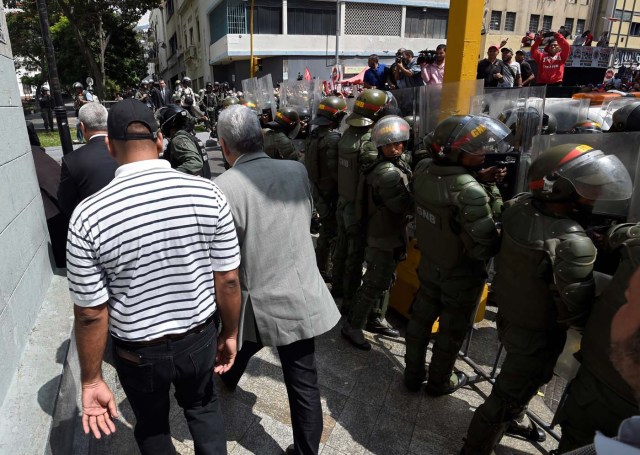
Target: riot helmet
[
  {"x": 331, "y": 109},
  {"x": 208, "y": 85},
  {"x": 473, "y": 134},
  {"x": 367, "y": 107},
  {"x": 627, "y": 118},
  {"x": 585, "y": 127},
  {"x": 229, "y": 101},
  {"x": 78, "y": 85},
  {"x": 144, "y": 82},
  {"x": 186, "y": 81},
  {"x": 566, "y": 171},
  {"x": 173, "y": 116},
  {"x": 249, "y": 101},
  {"x": 390, "y": 130},
  {"x": 287, "y": 120}
]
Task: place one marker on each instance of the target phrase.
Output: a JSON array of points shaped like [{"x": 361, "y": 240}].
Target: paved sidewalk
[{"x": 366, "y": 408}]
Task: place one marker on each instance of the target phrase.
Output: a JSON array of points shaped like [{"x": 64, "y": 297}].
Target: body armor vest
[
  {"x": 527, "y": 290},
  {"x": 316, "y": 157},
  {"x": 277, "y": 145},
  {"x": 386, "y": 228},
  {"x": 438, "y": 226},
  {"x": 348, "y": 162}
]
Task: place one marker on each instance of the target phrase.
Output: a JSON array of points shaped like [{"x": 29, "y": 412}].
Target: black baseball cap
[
  {"x": 506, "y": 49},
  {"x": 520, "y": 52},
  {"x": 126, "y": 112}
]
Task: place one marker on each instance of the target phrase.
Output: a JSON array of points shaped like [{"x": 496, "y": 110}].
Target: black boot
[
  {"x": 456, "y": 381},
  {"x": 527, "y": 429},
  {"x": 381, "y": 326}
]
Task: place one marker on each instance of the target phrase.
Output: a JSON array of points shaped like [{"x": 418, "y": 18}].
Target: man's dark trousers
[
  {"x": 301, "y": 378},
  {"x": 188, "y": 364}
]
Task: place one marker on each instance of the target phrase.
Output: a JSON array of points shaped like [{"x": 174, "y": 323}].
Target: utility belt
[{"x": 169, "y": 337}]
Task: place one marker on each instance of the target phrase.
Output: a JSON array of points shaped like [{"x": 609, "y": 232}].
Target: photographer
[
  {"x": 407, "y": 70},
  {"x": 432, "y": 65}
]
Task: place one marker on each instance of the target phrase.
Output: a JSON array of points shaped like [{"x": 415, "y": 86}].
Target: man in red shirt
[{"x": 551, "y": 61}]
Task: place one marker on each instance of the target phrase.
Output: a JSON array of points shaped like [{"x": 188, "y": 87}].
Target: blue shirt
[{"x": 375, "y": 77}]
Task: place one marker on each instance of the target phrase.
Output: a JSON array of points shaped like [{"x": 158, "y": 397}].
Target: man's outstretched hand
[{"x": 98, "y": 409}]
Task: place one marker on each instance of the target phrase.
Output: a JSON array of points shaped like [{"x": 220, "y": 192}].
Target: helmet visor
[
  {"x": 480, "y": 135},
  {"x": 598, "y": 177}
]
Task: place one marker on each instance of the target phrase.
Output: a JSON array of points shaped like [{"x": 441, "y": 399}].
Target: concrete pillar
[
  {"x": 403, "y": 21},
  {"x": 284, "y": 18},
  {"x": 25, "y": 269},
  {"x": 343, "y": 9}
]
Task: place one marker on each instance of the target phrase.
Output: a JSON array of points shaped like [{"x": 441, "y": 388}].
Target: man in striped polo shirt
[{"x": 151, "y": 258}]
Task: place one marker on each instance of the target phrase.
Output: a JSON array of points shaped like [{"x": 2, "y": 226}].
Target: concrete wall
[{"x": 25, "y": 270}]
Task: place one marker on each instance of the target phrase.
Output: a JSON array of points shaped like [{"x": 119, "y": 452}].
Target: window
[
  {"x": 635, "y": 29},
  {"x": 510, "y": 22},
  {"x": 311, "y": 18},
  {"x": 496, "y": 19},
  {"x": 198, "y": 29},
  {"x": 426, "y": 23},
  {"x": 219, "y": 23},
  {"x": 580, "y": 27},
  {"x": 568, "y": 25},
  {"x": 237, "y": 19},
  {"x": 173, "y": 44},
  {"x": 191, "y": 35},
  {"x": 267, "y": 17},
  {"x": 547, "y": 22},
  {"x": 624, "y": 15},
  {"x": 534, "y": 23},
  {"x": 170, "y": 9}
]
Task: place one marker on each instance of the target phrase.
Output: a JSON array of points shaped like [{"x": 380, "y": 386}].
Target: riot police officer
[
  {"x": 627, "y": 118},
  {"x": 321, "y": 161},
  {"x": 208, "y": 105},
  {"x": 188, "y": 98},
  {"x": 544, "y": 281},
  {"x": 46, "y": 104},
  {"x": 386, "y": 206},
  {"x": 177, "y": 93},
  {"x": 277, "y": 138},
  {"x": 354, "y": 150},
  {"x": 456, "y": 213},
  {"x": 230, "y": 101},
  {"x": 183, "y": 150},
  {"x": 585, "y": 126},
  {"x": 143, "y": 94},
  {"x": 599, "y": 399}
]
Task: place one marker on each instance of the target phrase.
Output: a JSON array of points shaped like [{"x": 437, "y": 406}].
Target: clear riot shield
[
  {"x": 266, "y": 99},
  {"x": 625, "y": 146},
  {"x": 567, "y": 112},
  {"x": 521, "y": 110},
  {"x": 250, "y": 91},
  {"x": 611, "y": 107},
  {"x": 407, "y": 100},
  {"x": 439, "y": 101}
]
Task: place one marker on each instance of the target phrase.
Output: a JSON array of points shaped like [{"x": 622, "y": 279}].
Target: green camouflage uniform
[
  {"x": 183, "y": 154},
  {"x": 456, "y": 232},
  {"x": 543, "y": 284},
  {"x": 321, "y": 161},
  {"x": 599, "y": 399},
  {"x": 278, "y": 145},
  {"x": 387, "y": 203}
]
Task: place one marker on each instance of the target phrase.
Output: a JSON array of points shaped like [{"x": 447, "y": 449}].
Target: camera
[
  {"x": 426, "y": 56},
  {"x": 398, "y": 57}
]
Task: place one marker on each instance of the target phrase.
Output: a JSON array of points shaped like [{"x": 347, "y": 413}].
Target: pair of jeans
[
  {"x": 146, "y": 373},
  {"x": 301, "y": 379}
]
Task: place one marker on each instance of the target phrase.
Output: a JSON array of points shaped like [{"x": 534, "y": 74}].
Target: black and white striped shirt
[{"x": 149, "y": 242}]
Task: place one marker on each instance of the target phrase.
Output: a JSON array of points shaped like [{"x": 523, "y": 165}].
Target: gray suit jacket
[{"x": 283, "y": 294}]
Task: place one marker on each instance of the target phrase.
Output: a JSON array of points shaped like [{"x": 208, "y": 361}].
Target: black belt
[{"x": 171, "y": 336}]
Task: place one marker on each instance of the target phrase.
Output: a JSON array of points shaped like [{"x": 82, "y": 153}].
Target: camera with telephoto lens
[
  {"x": 426, "y": 56},
  {"x": 398, "y": 57}
]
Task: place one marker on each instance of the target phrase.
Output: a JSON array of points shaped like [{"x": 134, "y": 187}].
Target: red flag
[{"x": 307, "y": 74}]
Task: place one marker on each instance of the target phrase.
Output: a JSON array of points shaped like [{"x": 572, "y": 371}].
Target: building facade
[
  {"x": 210, "y": 41},
  {"x": 512, "y": 19},
  {"x": 620, "y": 19}
]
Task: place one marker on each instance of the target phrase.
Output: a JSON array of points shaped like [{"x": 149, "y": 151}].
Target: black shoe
[
  {"x": 355, "y": 337},
  {"x": 291, "y": 450},
  {"x": 456, "y": 381},
  {"x": 412, "y": 384},
  {"x": 382, "y": 327},
  {"x": 526, "y": 429}
]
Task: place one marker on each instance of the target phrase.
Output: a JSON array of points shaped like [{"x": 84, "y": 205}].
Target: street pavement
[{"x": 366, "y": 408}]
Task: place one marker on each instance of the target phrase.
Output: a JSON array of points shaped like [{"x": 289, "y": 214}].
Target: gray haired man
[
  {"x": 285, "y": 302},
  {"x": 89, "y": 168}
]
